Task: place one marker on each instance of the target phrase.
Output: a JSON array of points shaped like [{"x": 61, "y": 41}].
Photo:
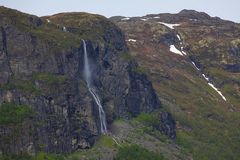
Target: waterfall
[{"x": 87, "y": 76}]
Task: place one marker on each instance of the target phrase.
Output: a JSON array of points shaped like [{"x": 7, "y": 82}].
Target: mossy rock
[
  {"x": 140, "y": 70},
  {"x": 49, "y": 79},
  {"x": 11, "y": 113},
  {"x": 126, "y": 56}
]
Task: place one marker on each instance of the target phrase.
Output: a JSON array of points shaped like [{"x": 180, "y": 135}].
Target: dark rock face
[
  {"x": 138, "y": 90},
  {"x": 194, "y": 14},
  {"x": 125, "y": 93},
  {"x": 45, "y": 73},
  {"x": 233, "y": 67},
  {"x": 168, "y": 125},
  {"x": 168, "y": 39}
]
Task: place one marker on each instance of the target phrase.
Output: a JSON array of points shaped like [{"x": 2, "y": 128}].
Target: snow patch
[
  {"x": 220, "y": 93},
  {"x": 193, "y": 20},
  {"x": 211, "y": 85},
  {"x": 175, "y": 50},
  {"x": 144, "y": 19},
  {"x": 64, "y": 29},
  {"x": 171, "y": 26},
  {"x": 132, "y": 40},
  {"x": 205, "y": 77},
  {"x": 156, "y": 17},
  {"x": 179, "y": 38},
  {"x": 48, "y": 20},
  {"x": 195, "y": 66},
  {"x": 184, "y": 52},
  {"x": 125, "y": 19}
]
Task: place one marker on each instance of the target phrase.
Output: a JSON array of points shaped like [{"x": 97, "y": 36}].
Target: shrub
[
  {"x": 16, "y": 157},
  {"x": 140, "y": 70},
  {"x": 126, "y": 56},
  {"x": 134, "y": 152},
  {"x": 149, "y": 119},
  {"x": 45, "y": 156},
  {"x": 23, "y": 85},
  {"x": 11, "y": 113},
  {"x": 49, "y": 78}
]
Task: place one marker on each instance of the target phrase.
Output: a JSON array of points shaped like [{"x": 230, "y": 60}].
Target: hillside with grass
[{"x": 207, "y": 125}]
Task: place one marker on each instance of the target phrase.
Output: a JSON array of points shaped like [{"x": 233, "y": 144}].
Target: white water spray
[{"x": 87, "y": 75}]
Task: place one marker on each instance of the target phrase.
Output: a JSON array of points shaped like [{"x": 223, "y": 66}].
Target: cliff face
[{"x": 45, "y": 104}]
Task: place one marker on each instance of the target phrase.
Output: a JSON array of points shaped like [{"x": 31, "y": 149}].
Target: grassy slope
[
  {"x": 206, "y": 126},
  {"x": 86, "y": 26},
  {"x": 133, "y": 135}
]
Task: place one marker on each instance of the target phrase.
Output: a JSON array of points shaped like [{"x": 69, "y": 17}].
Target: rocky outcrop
[
  {"x": 42, "y": 68},
  {"x": 167, "y": 125}
]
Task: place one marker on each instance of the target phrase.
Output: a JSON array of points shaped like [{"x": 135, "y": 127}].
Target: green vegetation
[
  {"x": 16, "y": 157},
  {"x": 39, "y": 156},
  {"x": 105, "y": 141},
  {"x": 58, "y": 39},
  {"x": 204, "y": 127},
  {"x": 45, "y": 156},
  {"x": 21, "y": 20},
  {"x": 49, "y": 79},
  {"x": 81, "y": 22},
  {"x": 23, "y": 85},
  {"x": 152, "y": 119},
  {"x": 11, "y": 113},
  {"x": 103, "y": 144},
  {"x": 207, "y": 142},
  {"x": 232, "y": 93},
  {"x": 140, "y": 70},
  {"x": 28, "y": 85},
  {"x": 151, "y": 123},
  {"x": 51, "y": 34},
  {"x": 230, "y": 84},
  {"x": 134, "y": 152},
  {"x": 206, "y": 42},
  {"x": 83, "y": 86},
  {"x": 126, "y": 56}
]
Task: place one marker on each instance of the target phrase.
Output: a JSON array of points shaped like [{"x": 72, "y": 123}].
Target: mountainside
[
  {"x": 193, "y": 62},
  {"x": 168, "y": 84},
  {"x": 45, "y": 102}
]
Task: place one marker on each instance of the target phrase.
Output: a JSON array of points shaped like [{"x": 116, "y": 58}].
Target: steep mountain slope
[
  {"x": 45, "y": 105},
  {"x": 193, "y": 61}
]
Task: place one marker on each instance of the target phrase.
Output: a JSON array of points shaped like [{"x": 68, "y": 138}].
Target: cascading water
[{"x": 87, "y": 75}]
